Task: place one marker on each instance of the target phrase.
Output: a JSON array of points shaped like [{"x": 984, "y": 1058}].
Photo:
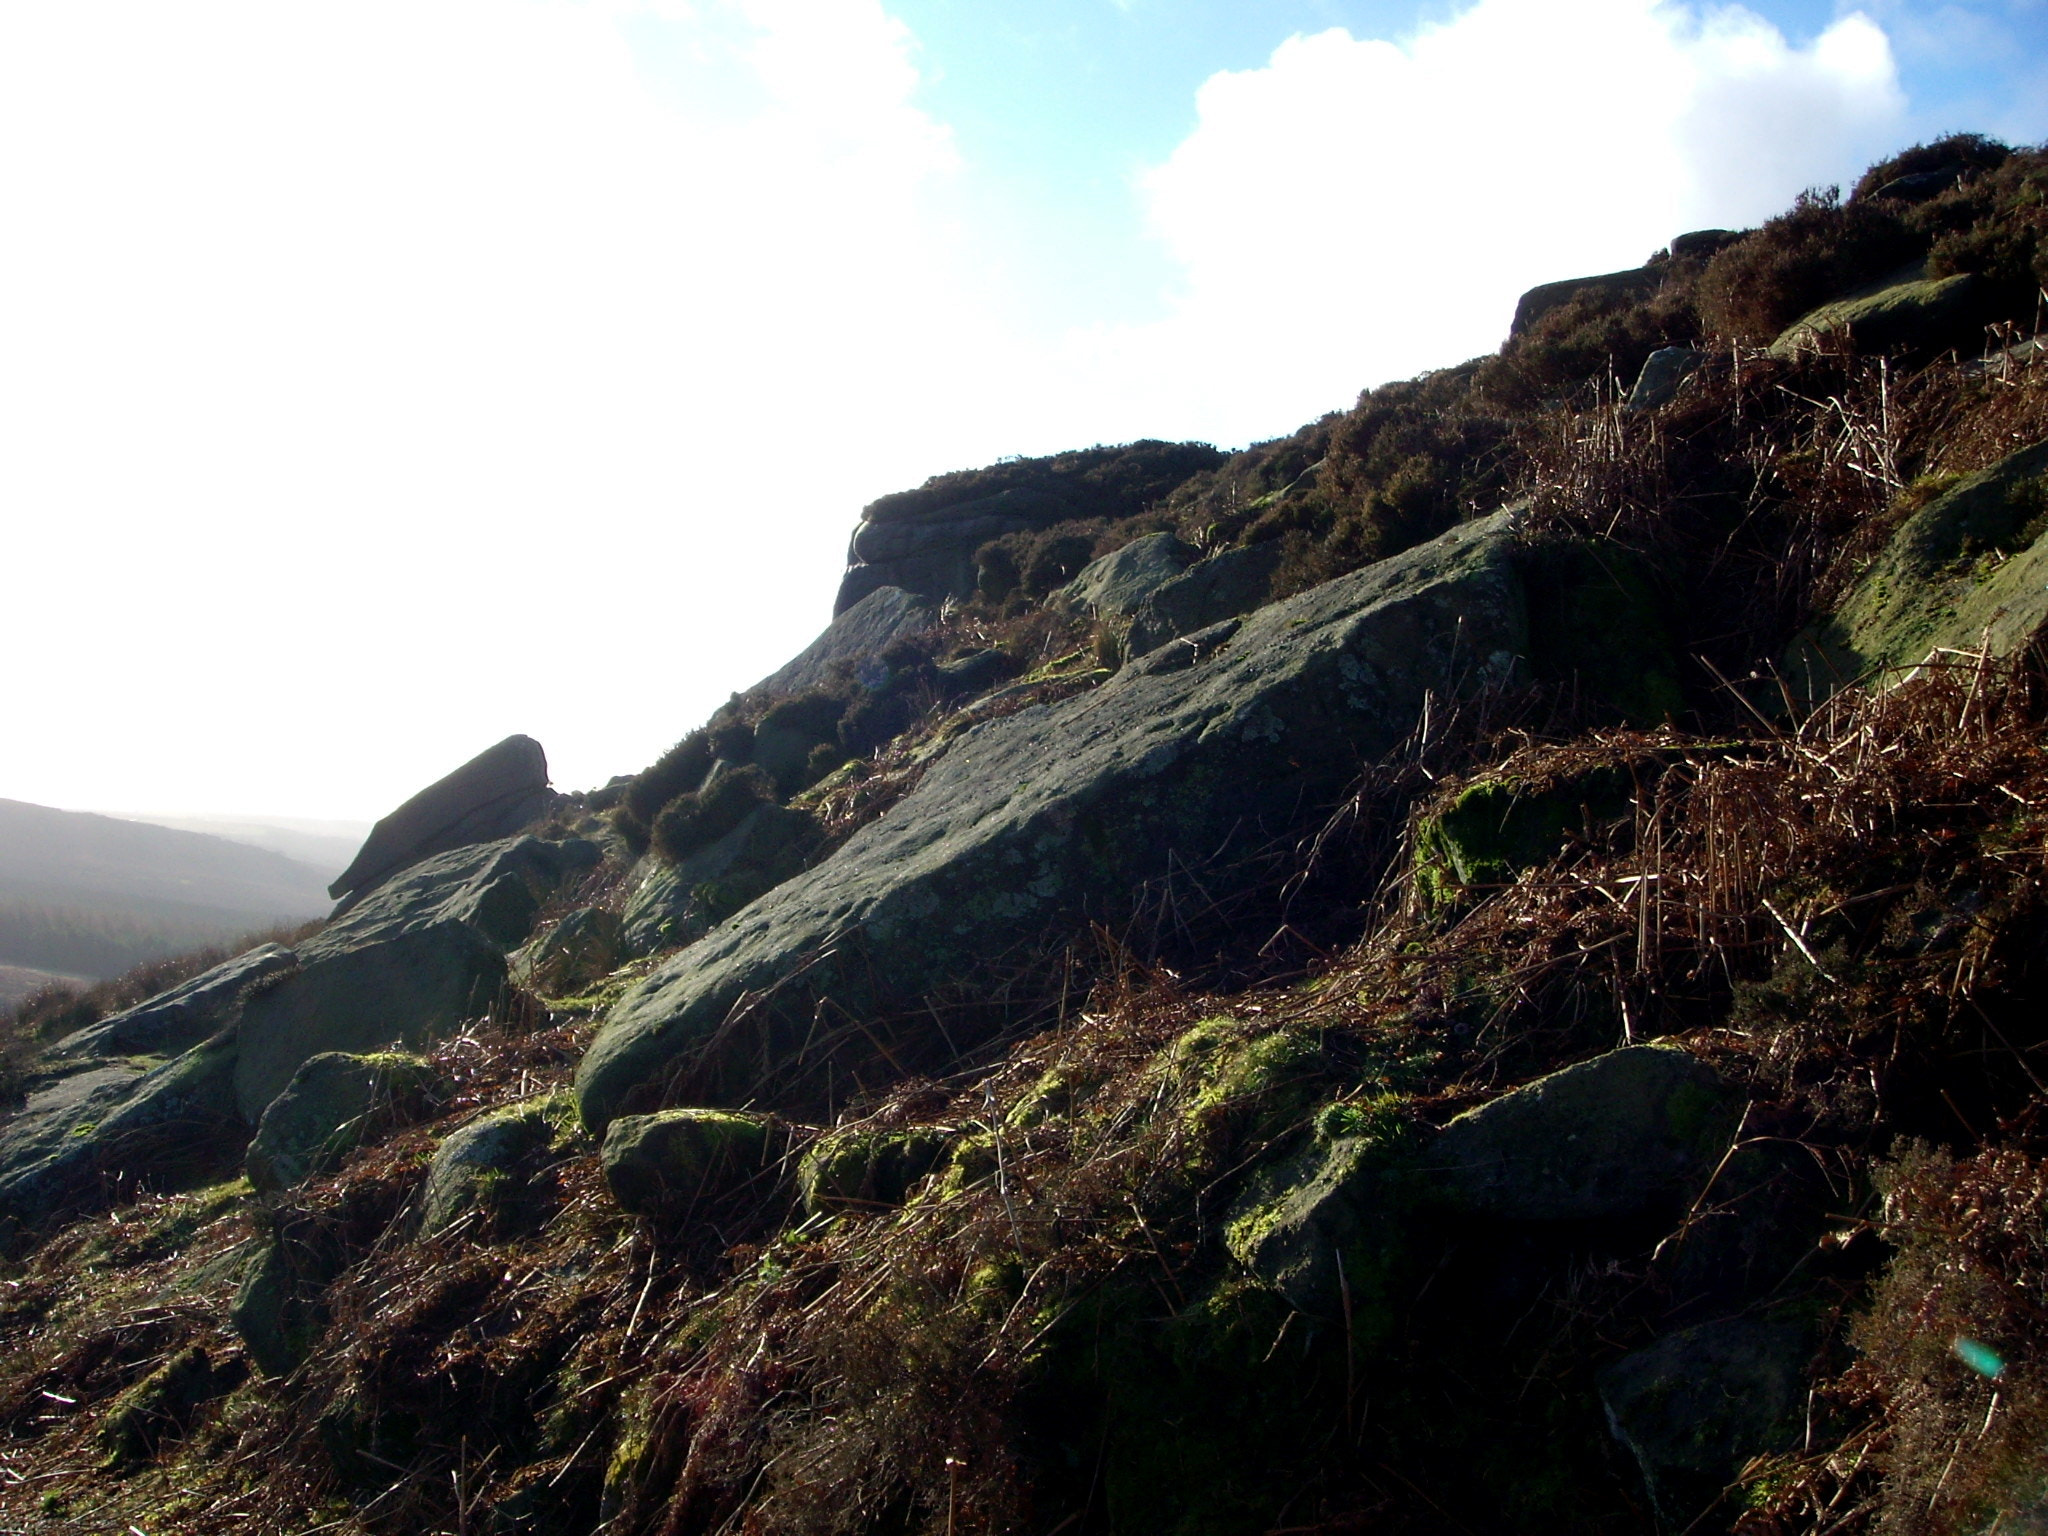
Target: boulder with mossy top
[
  {"x": 1965, "y": 576},
  {"x": 406, "y": 965},
  {"x": 1918, "y": 318},
  {"x": 494, "y": 795},
  {"x": 177, "y": 1019},
  {"x": 1696, "y": 1405},
  {"x": 1637, "y": 1131},
  {"x": 480, "y": 1170},
  {"x": 1494, "y": 828},
  {"x": 1324, "y": 1226},
  {"x": 867, "y": 1168},
  {"x": 1030, "y": 827},
  {"x": 670, "y": 1163},
  {"x": 158, "y": 1408},
  {"x": 1113, "y": 586},
  {"x": 333, "y": 1103}
]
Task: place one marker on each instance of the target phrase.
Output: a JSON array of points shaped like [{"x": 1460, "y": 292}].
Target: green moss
[
  {"x": 1496, "y": 828},
  {"x": 156, "y": 1408},
  {"x": 860, "y": 1169}
]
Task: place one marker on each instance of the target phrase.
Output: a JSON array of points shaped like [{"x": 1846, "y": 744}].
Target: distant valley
[{"x": 85, "y": 895}]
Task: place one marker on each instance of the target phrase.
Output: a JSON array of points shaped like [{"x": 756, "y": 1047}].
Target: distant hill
[
  {"x": 325, "y": 845},
  {"x": 92, "y": 895}
]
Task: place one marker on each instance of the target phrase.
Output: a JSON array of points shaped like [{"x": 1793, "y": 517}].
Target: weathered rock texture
[
  {"x": 1966, "y": 573},
  {"x": 417, "y": 956},
  {"x": 330, "y": 1105},
  {"x": 858, "y": 632},
  {"x": 1918, "y": 318},
  {"x": 1221, "y": 587},
  {"x": 493, "y": 795},
  {"x": 667, "y": 1164},
  {"x": 930, "y": 551},
  {"x": 1113, "y": 586},
  {"x": 1032, "y": 825}
]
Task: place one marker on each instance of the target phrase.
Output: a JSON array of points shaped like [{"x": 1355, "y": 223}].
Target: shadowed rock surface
[
  {"x": 863, "y": 630},
  {"x": 182, "y": 1017}
]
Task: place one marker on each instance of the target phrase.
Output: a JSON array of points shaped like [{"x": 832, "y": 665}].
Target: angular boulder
[
  {"x": 493, "y": 795},
  {"x": 1638, "y": 1130},
  {"x": 1113, "y": 586},
  {"x": 420, "y": 954},
  {"x": 1220, "y": 587},
  {"x": 1663, "y": 371},
  {"x": 1966, "y": 573},
  {"x": 176, "y": 1020},
  {"x": 668, "y": 1163},
  {"x": 330, "y": 1106},
  {"x": 1031, "y": 826}
]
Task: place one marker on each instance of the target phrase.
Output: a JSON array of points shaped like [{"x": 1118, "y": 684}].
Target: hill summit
[{"x": 1476, "y": 966}]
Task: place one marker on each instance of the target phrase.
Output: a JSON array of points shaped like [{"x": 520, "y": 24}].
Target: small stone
[{"x": 664, "y": 1164}]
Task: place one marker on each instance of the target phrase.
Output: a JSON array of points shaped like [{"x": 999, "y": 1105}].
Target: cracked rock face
[{"x": 1033, "y": 826}]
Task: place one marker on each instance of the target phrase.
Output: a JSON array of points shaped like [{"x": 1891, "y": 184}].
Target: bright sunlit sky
[{"x": 381, "y": 377}]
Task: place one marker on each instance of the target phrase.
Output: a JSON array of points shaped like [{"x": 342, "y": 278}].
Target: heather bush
[
  {"x": 702, "y": 816},
  {"x": 1818, "y": 250},
  {"x": 1971, "y": 152}
]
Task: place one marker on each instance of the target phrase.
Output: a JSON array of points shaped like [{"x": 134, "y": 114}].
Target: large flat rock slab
[{"x": 1031, "y": 827}]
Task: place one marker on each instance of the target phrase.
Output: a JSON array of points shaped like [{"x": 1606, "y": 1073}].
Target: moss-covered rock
[
  {"x": 274, "y": 1312},
  {"x": 1494, "y": 828},
  {"x": 665, "y": 1164},
  {"x": 332, "y": 1104},
  {"x": 863, "y": 1169},
  {"x": 1631, "y": 1132},
  {"x": 1920, "y": 317},
  {"x": 158, "y": 1407},
  {"x": 1323, "y": 1228},
  {"x": 1967, "y": 572},
  {"x": 582, "y": 948},
  {"x": 482, "y": 1167}
]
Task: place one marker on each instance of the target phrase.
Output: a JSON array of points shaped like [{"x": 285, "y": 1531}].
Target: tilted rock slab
[
  {"x": 493, "y": 795},
  {"x": 1031, "y": 826},
  {"x": 176, "y": 1020}
]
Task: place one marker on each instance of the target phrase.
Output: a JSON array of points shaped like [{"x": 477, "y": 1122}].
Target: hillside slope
[
  {"x": 1477, "y": 967},
  {"x": 93, "y": 895}
]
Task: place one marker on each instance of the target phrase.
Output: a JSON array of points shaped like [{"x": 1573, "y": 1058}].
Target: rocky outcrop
[
  {"x": 930, "y": 550},
  {"x": 1220, "y": 587},
  {"x": 1663, "y": 371},
  {"x": 176, "y": 1020},
  {"x": 857, "y": 634},
  {"x": 495, "y": 794},
  {"x": 1542, "y": 299},
  {"x": 1113, "y": 586},
  {"x": 675, "y": 902},
  {"x": 1032, "y": 825},
  {"x": 1967, "y": 573},
  {"x": 423, "y": 952}
]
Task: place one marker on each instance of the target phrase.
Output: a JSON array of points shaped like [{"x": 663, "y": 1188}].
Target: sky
[{"x": 382, "y": 377}]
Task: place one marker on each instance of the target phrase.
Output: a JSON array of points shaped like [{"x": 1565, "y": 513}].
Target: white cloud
[
  {"x": 382, "y": 376},
  {"x": 1359, "y": 209}
]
